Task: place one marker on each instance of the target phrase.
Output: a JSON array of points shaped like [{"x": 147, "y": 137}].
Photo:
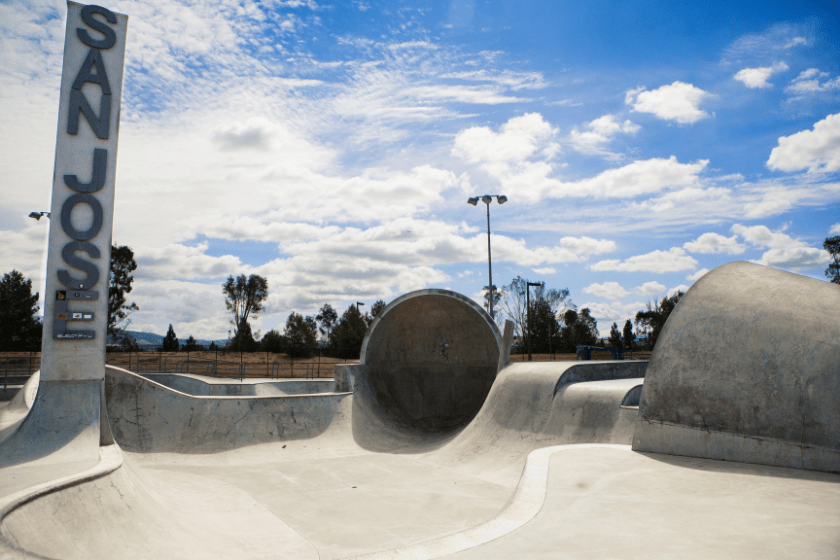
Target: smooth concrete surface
[
  {"x": 432, "y": 356},
  {"x": 202, "y": 385},
  {"x": 746, "y": 369}
]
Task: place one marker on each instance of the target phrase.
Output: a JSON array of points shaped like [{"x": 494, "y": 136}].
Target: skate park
[
  {"x": 434, "y": 445},
  {"x": 725, "y": 444}
]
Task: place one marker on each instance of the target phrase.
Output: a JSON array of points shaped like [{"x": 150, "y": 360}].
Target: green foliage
[
  {"x": 170, "y": 341},
  {"x": 832, "y": 245},
  {"x": 190, "y": 345},
  {"x": 615, "y": 337},
  {"x": 578, "y": 329},
  {"x": 348, "y": 336},
  {"x": 497, "y": 296},
  {"x": 513, "y": 303},
  {"x": 273, "y": 342},
  {"x": 629, "y": 336},
  {"x": 375, "y": 309},
  {"x": 20, "y": 330},
  {"x": 654, "y": 317},
  {"x": 121, "y": 278},
  {"x": 213, "y": 346},
  {"x": 543, "y": 324},
  {"x": 300, "y": 336},
  {"x": 328, "y": 318},
  {"x": 244, "y": 297}
]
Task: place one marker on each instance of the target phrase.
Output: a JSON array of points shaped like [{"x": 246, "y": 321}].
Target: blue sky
[{"x": 332, "y": 147}]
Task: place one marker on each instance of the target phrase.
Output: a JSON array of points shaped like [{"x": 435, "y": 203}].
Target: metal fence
[{"x": 17, "y": 369}]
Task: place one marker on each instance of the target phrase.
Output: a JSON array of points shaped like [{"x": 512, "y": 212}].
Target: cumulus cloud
[
  {"x": 591, "y": 137},
  {"x": 757, "y": 77},
  {"x": 677, "y": 102},
  {"x": 607, "y": 290},
  {"x": 681, "y": 288},
  {"x": 715, "y": 243},
  {"x": 650, "y": 288},
  {"x": 697, "y": 275},
  {"x": 517, "y": 139},
  {"x": 547, "y": 270},
  {"x": 835, "y": 228},
  {"x": 673, "y": 260},
  {"x": 783, "y": 250},
  {"x": 816, "y": 150}
]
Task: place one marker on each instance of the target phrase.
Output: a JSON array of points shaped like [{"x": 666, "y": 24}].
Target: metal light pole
[
  {"x": 528, "y": 313},
  {"x": 487, "y": 199}
]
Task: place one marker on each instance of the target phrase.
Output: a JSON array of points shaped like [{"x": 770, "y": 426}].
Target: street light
[
  {"x": 487, "y": 199},
  {"x": 37, "y": 215},
  {"x": 528, "y": 309}
]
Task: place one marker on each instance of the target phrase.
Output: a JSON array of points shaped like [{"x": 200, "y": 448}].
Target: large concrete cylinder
[{"x": 430, "y": 358}]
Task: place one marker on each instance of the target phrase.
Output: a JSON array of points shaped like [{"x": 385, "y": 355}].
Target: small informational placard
[{"x": 82, "y": 208}]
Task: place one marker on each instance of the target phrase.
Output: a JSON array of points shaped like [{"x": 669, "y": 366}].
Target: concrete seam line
[
  {"x": 110, "y": 459},
  {"x": 527, "y": 502}
]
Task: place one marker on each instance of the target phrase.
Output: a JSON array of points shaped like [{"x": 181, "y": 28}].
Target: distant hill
[{"x": 153, "y": 341}]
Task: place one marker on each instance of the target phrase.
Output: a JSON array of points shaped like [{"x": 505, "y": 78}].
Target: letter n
[{"x": 101, "y": 124}]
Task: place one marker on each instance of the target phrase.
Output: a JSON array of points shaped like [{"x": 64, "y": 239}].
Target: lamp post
[
  {"x": 37, "y": 215},
  {"x": 487, "y": 199},
  {"x": 528, "y": 310}
]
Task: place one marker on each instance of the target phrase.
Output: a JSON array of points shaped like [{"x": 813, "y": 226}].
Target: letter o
[{"x": 67, "y": 210}]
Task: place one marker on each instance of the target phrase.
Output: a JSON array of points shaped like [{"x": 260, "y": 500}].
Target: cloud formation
[
  {"x": 676, "y": 102},
  {"x": 816, "y": 150},
  {"x": 673, "y": 260},
  {"x": 756, "y": 78}
]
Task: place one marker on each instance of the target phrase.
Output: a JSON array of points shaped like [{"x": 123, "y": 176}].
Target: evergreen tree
[
  {"x": 273, "y": 342},
  {"x": 375, "y": 309},
  {"x": 348, "y": 336},
  {"x": 190, "y": 345},
  {"x": 832, "y": 245},
  {"x": 300, "y": 336},
  {"x": 615, "y": 336},
  {"x": 243, "y": 339},
  {"x": 654, "y": 317},
  {"x": 20, "y": 330},
  {"x": 629, "y": 337},
  {"x": 579, "y": 329},
  {"x": 170, "y": 341},
  {"x": 542, "y": 325},
  {"x": 121, "y": 278}
]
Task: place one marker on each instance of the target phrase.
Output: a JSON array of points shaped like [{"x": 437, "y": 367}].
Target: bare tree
[{"x": 513, "y": 302}]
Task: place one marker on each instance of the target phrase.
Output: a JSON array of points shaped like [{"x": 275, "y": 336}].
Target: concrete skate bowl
[
  {"x": 429, "y": 360},
  {"x": 747, "y": 369}
]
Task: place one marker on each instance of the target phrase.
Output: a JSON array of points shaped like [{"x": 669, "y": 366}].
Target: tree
[
  {"x": 832, "y": 245},
  {"x": 244, "y": 298},
  {"x": 629, "y": 337},
  {"x": 170, "y": 341},
  {"x": 213, "y": 346},
  {"x": 579, "y": 329},
  {"x": 497, "y": 296},
  {"x": 375, "y": 309},
  {"x": 273, "y": 342},
  {"x": 328, "y": 318},
  {"x": 300, "y": 336},
  {"x": 615, "y": 336},
  {"x": 190, "y": 345},
  {"x": 654, "y": 317},
  {"x": 513, "y": 302},
  {"x": 348, "y": 336},
  {"x": 20, "y": 330},
  {"x": 542, "y": 325},
  {"x": 122, "y": 265}
]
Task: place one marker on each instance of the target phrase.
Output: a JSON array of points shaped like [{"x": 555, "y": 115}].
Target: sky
[{"x": 331, "y": 147}]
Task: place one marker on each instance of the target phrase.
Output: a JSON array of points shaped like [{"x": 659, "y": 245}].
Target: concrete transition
[
  {"x": 375, "y": 465},
  {"x": 748, "y": 369},
  {"x": 431, "y": 358}
]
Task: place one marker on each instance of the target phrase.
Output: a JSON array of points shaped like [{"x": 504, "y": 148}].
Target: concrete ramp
[{"x": 747, "y": 369}]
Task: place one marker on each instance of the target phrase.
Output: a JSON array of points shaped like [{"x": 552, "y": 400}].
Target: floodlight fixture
[
  {"x": 37, "y": 215},
  {"x": 487, "y": 199}
]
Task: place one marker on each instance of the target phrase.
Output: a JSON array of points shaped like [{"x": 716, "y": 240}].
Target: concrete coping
[{"x": 432, "y": 292}]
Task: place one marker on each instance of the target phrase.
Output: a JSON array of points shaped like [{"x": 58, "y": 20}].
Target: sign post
[{"x": 65, "y": 418}]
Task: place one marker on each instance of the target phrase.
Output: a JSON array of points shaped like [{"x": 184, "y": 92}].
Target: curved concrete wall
[
  {"x": 200, "y": 386},
  {"x": 747, "y": 369},
  {"x": 431, "y": 358}
]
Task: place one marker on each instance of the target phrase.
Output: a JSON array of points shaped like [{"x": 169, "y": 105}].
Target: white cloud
[
  {"x": 678, "y": 102},
  {"x": 607, "y": 290},
  {"x": 518, "y": 139},
  {"x": 650, "y": 288},
  {"x": 757, "y": 77},
  {"x": 182, "y": 262},
  {"x": 599, "y": 132},
  {"x": 835, "y": 228},
  {"x": 673, "y": 260},
  {"x": 808, "y": 81},
  {"x": 697, "y": 275},
  {"x": 715, "y": 243},
  {"x": 795, "y": 41},
  {"x": 614, "y": 312},
  {"x": 818, "y": 150},
  {"x": 783, "y": 250},
  {"x": 681, "y": 288},
  {"x": 547, "y": 270}
]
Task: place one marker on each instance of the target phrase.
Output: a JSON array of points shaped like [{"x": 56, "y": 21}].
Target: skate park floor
[{"x": 514, "y": 483}]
